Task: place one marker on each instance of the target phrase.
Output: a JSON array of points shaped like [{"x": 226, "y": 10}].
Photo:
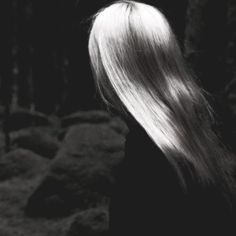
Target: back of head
[
  {"x": 132, "y": 38},
  {"x": 138, "y": 66}
]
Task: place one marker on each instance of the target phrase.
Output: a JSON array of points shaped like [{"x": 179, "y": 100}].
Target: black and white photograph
[{"x": 117, "y": 118}]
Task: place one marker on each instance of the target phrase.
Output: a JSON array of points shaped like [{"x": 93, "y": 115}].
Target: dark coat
[{"x": 149, "y": 200}]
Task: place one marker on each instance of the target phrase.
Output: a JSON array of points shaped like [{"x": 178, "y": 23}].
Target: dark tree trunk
[
  {"x": 80, "y": 89},
  {"x": 6, "y": 63},
  {"x": 46, "y": 43},
  {"x": 24, "y": 47}
]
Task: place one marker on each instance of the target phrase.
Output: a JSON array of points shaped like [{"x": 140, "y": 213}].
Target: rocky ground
[{"x": 55, "y": 180}]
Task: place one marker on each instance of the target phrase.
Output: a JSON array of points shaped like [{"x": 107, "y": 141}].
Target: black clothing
[{"x": 149, "y": 200}]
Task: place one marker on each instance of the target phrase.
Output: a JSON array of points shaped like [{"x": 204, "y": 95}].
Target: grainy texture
[{"x": 53, "y": 156}]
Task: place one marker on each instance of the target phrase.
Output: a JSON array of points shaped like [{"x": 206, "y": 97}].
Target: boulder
[
  {"x": 80, "y": 176},
  {"x": 21, "y": 163},
  {"x": 36, "y": 140},
  {"x": 98, "y": 142},
  {"x": 119, "y": 125},
  {"x": 4, "y": 230},
  {"x": 85, "y": 117},
  {"x": 92, "y": 222}
]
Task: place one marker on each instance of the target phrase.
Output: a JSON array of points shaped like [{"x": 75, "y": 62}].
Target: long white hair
[{"x": 138, "y": 64}]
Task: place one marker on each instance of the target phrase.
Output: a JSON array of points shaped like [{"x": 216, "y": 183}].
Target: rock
[
  {"x": 65, "y": 190},
  {"x": 119, "y": 125},
  {"x": 99, "y": 142},
  {"x": 80, "y": 176},
  {"x": 115, "y": 122},
  {"x": 22, "y": 118},
  {"x": 85, "y": 117},
  {"x": 21, "y": 163},
  {"x": 8, "y": 232},
  {"x": 36, "y": 140},
  {"x": 92, "y": 222}
]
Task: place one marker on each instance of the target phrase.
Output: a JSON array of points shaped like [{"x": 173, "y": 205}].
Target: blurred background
[{"x": 59, "y": 148}]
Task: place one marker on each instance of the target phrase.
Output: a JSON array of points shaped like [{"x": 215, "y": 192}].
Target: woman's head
[
  {"x": 131, "y": 47},
  {"x": 130, "y": 38},
  {"x": 138, "y": 66}
]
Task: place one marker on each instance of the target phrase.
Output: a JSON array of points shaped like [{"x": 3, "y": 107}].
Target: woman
[{"x": 174, "y": 178}]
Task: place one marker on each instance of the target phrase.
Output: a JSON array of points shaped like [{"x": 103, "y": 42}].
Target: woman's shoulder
[
  {"x": 137, "y": 136},
  {"x": 149, "y": 192},
  {"x": 146, "y": 161},
  {"x": 140, "y": 147}
]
